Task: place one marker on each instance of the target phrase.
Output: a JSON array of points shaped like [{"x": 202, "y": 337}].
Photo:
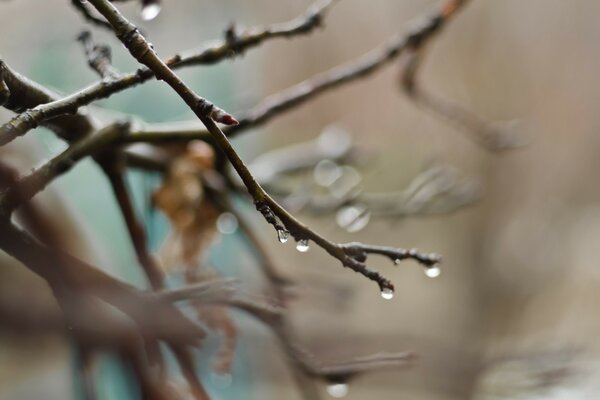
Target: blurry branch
[
  {"x": 41, "y": 109},
  {"x": 84, "y": 9},
  {"x": 98, "y": 56},
  {"x": 154, "y": 318},
  {"x": 437, "y": 190},
  {"x": 492, "y": 136},
  {"x": 114, "y": 170},
  {"x": 342, "y": 372},
  {"x": 333, "y": 144},
  {"x": 237, "y": 41},
  {"x": 35, "y": 181}
]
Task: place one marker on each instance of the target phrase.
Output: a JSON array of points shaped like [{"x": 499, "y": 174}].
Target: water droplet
[
  {"x": 221, "y": 380},
  {"x": 353, "y": 218},
  {"x": 433, "y": 272},
  {"x": 302, "y": 245},
  {"x": 337, "y": 390},
  {"x": 227, "y": 223},
  {"x": 387, "y": 293},
  {"x": 150, "y": 11},
  {"x": 326, "y": 172},
  {"x": 282, "y": 235},
  {"x": 397, "y": 261}
]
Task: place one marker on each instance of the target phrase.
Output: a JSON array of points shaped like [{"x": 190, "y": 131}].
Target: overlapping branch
[{"x": 50, "y": 107}]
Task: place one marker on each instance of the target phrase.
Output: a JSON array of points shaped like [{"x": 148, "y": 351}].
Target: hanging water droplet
[
  {"x": 353, "y": 218},
  {"x": 433, "y": 272},
  {"x": 302, "y": 245},
  {"x": 150, "y": 11},
  {"x": 387, "y": 293},
  {"x": 397, "y": 261},
  {"x": 337, "y": 390},
  {"x": 282, "y": 235},
  {"x": 227, "y": 223},
  {"x": 221, "y": 380}
]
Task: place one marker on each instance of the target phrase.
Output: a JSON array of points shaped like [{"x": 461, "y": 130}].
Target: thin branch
[
  {"x": 99, "y": 57},
  {"x": 237, "y": 42},
  {"x": 83, "y": 8},
  {"x": 50, "y": 108},
  {"x": 436, "y": 191},
  {"x": 114, "y": 170},
  {"x": 494, "y": 137},
  {"x": 37, "y": 179}
]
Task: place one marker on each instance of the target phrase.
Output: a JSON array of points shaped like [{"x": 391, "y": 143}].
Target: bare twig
[
  {"x": 37, "y": 180},
  {"x": 98, "y": 56},
  {"x": 494, "y": 137},
  {"x": 83, "y": 8},
  {"x": 114, "y": 170},
  {"x": 51, "y": 107}
]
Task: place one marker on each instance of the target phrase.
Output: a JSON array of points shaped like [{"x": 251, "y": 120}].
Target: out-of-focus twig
[{"x": 492, "y": 136}]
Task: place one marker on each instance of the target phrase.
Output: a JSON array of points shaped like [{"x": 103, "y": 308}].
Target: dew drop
[
  {"x": 282, "y": 235},
  {"x": 337, "y": 390},
  {"x": 353, "y": 218},
  {"x": 150, "y": 11},
  {"x": 302, "y": 245},
  {"x": 387, "y": 293},
  {"x": 227, "y": 223},
  {"x": 397, "y": 261},
  {"x": 433, "y": 272}
]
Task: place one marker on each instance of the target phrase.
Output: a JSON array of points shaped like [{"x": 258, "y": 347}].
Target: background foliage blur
[{"x": 513, "y": 314}]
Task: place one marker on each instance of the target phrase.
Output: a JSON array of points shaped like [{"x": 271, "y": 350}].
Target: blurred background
[{"x": 513, "y": 314}]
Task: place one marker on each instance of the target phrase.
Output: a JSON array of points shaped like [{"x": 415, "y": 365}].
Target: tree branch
[
  {"x": 494, "y": 137},
  {"x": 51, "y": 107}
]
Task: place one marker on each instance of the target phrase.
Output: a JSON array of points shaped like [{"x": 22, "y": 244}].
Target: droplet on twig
[
  {"x": 302, "y": 245},
  {"x": 227, "y": 223},
  {"x": 282, "y": 235},
  {"x": 337, "y": 389},
  {"x": 353, "y": 218},
  {"x": 433, "y": 272},
  {"x": 387, "y": 293},
  {"x": 150, "y": 10}
]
